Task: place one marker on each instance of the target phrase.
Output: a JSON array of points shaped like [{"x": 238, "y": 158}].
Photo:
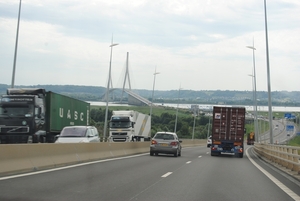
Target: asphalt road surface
[{"x": 194, "y": 176}]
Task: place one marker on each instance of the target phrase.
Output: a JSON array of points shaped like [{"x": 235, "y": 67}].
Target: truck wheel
[{"x": 42, "y": 139}]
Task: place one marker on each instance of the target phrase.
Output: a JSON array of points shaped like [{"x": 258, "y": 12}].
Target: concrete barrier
[{"x": 20, "y": 158}]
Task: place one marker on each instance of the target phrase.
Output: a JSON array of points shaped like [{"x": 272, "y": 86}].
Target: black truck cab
[{"x": 22, "y": 116}]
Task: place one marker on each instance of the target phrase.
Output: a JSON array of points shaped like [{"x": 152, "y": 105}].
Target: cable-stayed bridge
[{"x": 133, "y": 98}]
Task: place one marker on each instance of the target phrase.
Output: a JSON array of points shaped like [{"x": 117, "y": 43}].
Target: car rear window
[
  {"x": 74, "y": 132},
  {"x": 164, "y": 136}
]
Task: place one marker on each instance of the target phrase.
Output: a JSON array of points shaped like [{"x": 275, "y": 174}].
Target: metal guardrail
[{"x": 286, "y": 156}]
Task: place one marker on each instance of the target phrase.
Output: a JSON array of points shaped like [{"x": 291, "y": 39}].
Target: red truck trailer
[{"x": 228, "y": 128}]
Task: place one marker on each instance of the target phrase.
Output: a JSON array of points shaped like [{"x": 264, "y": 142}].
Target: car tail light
[
  {"x": 173, "y": 143},
  {"x": 153, "y": 142},
  {"x": 241, "y": 150}
]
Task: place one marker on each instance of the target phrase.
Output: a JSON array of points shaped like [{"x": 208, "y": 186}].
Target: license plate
[{"x": 164, "y": 144}]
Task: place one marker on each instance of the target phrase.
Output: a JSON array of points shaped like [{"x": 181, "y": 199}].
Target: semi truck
[
  {"x": 228, "y": 129},
  {"x": 128, "y": 126},
  {"x": 32, "y": 115},
  {"x": 250, "y": 138}
]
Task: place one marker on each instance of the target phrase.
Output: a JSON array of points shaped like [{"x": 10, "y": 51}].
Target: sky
[{"x": 192, "y": 44}]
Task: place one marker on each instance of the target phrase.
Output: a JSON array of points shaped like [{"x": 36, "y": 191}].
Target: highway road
[
  {"x": 194, "y": 176},
  {"x": 280, "y": 134}
]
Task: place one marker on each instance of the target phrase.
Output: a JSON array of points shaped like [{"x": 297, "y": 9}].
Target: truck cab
[
  {"x": 122, "y": 127},
  {"x": 22, "y": 116},
  {"x": 129, "y": 126}
]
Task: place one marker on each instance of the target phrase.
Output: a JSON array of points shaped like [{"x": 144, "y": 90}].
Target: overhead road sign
[
  {"x": 289, "y": 127},
  {"x": 287, "y": 115}
]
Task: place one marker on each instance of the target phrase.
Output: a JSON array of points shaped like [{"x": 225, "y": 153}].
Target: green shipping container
[{"x": 64, "y": 111}]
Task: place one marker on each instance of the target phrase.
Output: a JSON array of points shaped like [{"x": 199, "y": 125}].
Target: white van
[{"x": 77, "y": 134}]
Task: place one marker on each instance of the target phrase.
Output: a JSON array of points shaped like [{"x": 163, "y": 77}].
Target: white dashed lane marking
[{"x": 167, "y": 174}]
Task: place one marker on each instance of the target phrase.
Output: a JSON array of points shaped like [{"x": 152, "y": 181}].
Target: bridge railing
[{"x": 285, "y": 156}]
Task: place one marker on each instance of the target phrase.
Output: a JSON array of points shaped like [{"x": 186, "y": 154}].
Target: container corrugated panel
[
  {"x": 65, "y": 111},
  {"x": 228, "y": 124}
]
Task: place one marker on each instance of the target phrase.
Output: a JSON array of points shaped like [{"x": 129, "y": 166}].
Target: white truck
[{"x": 128, "y": 126}]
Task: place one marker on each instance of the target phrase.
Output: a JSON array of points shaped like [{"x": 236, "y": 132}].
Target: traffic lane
[
  {"x": 140, "y": 178},
  {"x": 215, "y": 178},
  {"x": 111, "y": 180}
]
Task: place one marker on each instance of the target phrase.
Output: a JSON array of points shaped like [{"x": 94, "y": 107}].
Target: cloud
[{"x": 200, "y": 44}]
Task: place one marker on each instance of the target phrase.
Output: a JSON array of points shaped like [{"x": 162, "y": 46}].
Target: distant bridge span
[{"x": 133, "y": 98}]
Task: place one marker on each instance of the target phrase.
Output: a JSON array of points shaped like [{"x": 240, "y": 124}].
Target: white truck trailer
[{"x": 128, "y": 126}]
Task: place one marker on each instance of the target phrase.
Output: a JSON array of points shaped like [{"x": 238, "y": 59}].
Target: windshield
[
  {"x": 120, "y": 124},
  {"x": 14, "y": 111},
  {"x": 73, "y": 132}
]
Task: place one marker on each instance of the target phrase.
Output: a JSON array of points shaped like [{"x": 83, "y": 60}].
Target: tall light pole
[
  {"x": 268, "y": 74},
  {"x": 155, "y": 73},
  {"x": 255, "y": 97},
  {"x": 177, "y": 110},
  {"x": 208, "y": 127},
  {"x": 16, "y": 49},
  {"x": 194, "y": 125},
  {"x": 107, "y": 89}
]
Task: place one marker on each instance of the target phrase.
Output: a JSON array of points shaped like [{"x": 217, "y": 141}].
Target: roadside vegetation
[
  {"x": 163, "y": 119},
  {"x": 295, "y": 141}
]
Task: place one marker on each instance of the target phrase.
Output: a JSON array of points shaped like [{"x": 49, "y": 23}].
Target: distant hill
[{"x": 94, "y": 93}]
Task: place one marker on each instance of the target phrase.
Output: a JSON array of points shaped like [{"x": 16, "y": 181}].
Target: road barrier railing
[
  {"x": 20, "y": 158},
  {"x": 285, "y": 156}
]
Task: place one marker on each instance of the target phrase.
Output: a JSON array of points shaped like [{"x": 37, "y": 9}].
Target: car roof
[
  {"x": 161, "y": 132},
  {"x": 79, "y": 127}
]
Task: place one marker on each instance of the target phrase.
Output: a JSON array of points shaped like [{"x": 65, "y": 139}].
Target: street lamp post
[
  {"x": 107, "y": 89},
  {"x": 255, "y": 97},
  {"x": 268, "y": 75},
  {"x": 194, "y": 126},
  {"x": 177, "y": 110},
  {"x": 208, "y": 127},
  {"x": 155, "y": 73}
]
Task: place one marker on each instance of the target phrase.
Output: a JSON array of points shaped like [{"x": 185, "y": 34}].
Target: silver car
[
  {"x": 166, "y": 143},
  {"x": 77, "y": 134}
]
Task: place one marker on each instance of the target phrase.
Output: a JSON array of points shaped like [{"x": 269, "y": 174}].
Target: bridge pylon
[{"x": 126, "y": 76}]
